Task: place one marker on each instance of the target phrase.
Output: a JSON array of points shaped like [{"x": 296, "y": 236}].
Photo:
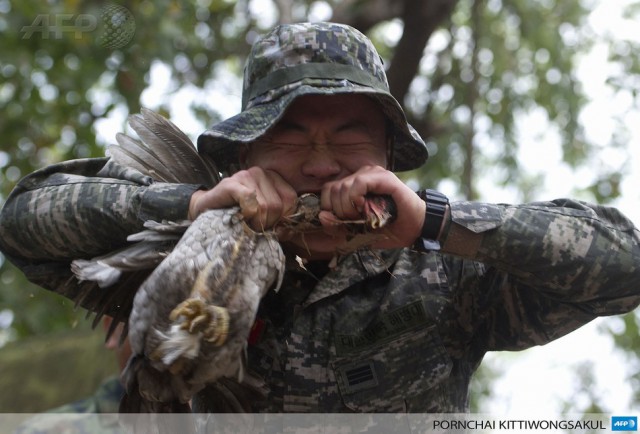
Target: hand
[
  {"x": 262, "y": 194},
  {"x": 345, "y": 198}
]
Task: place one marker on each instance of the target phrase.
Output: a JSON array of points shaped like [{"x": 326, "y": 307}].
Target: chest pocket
[{"x": 393, "y": 376}]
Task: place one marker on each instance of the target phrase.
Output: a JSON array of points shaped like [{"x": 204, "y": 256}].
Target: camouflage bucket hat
[{"x": 309, "y": 59}]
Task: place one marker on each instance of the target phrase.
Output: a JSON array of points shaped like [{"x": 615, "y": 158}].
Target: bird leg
[
  {"x": 199, "y": 317},
  {"x": 379, "y": 211}
]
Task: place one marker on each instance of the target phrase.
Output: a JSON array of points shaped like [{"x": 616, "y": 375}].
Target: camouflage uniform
[
  {"x": 384, "y": 331},
  {"x": 81, "y": 417}
]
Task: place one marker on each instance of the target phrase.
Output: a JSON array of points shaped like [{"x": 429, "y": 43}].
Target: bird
[
  {"x": 202, "y": 300},
  {"x": 193, "y": 288}
]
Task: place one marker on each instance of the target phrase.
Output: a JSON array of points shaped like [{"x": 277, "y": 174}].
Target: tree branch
[
  {"x": 364, "y": 14},
  {"x": 421, "y": 18}
]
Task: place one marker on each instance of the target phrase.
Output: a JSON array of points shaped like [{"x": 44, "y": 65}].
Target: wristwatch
[{"x": 437, "y": 204}]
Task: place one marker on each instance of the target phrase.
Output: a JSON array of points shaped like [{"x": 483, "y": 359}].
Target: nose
[{"x": 321, "y": 163}]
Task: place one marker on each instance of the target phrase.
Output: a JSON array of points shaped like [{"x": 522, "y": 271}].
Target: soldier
[{"x": 399, "y": 326}]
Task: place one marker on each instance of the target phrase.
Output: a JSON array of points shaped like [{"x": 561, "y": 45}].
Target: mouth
[
  {"x": 308, "y": 192},
  {"x": 305, "y": 216}
]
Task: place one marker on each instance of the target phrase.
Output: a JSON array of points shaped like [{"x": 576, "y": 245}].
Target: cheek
[
  {"x": 256, "y": 157},
  {"x": 355, "y": 162},
  {"x": 282, "y": 163}
]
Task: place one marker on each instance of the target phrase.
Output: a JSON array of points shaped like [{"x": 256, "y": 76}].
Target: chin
[{"x": 314, "y": 246}]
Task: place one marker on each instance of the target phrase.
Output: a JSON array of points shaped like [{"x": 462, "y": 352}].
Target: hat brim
[{"x": 223, "y": 140}]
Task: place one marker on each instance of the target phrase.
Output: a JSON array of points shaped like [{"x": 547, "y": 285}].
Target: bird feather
[
  {"x": 159, "y": 154},
  {"x": 173, "y": 149},
  {"x": 177, "y": 280},
  {"x": 132, "y": 153}
]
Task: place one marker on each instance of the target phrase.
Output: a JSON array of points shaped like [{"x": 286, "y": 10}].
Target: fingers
[
  {"x": 332, "y": 225},
  {"x": 346, "y": 197},
  {"x": 272, "y": 198},
  {"x": 264, "y": 197}
]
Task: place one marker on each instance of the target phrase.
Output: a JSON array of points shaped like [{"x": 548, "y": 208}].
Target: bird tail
[
  {"x": 164, "y": 153},
  {"x": 228, "y": 395},
  {"x": 158, "y": 396},
  {"x": 141, "y": 414}
]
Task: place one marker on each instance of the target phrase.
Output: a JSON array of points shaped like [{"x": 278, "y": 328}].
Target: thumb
[{"x": 248, "y": 205}]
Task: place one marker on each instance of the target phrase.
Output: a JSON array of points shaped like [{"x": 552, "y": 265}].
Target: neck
[{"x": 306, "y": 254}]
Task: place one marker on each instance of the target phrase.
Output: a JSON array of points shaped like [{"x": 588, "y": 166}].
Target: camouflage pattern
[
  {"x": 83, "y": 416},
  {"x": 397, "y": 330},
  {"x": 302, "y": 59},
  {"x": 83, "y": 208}
]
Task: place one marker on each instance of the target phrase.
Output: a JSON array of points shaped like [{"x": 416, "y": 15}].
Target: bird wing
[
  {"x": 108, "y": 283},
  {"x": 165, "y": 153}
]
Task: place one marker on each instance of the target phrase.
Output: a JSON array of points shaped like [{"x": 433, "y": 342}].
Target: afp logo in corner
[{"x": 624, "y": 423}]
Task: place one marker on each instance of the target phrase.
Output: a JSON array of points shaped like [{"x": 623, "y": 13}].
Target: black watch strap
[{"x": 436, "y": 210}]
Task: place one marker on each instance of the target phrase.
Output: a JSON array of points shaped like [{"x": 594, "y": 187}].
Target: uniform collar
[{"x": 352, "y": 269}]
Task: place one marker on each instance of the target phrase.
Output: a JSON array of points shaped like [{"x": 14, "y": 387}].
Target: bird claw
[{"x": 199, "y": 317}]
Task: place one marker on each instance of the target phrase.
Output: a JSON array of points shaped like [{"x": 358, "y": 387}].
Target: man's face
[
  {"x": 322, "y": 138},
  {"x": 319, "y": 139}
]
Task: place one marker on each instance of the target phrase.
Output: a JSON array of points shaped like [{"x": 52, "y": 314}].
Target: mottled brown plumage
[{"x": 191, "y": 316}]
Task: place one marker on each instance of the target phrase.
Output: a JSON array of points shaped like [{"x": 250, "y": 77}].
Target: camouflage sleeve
[
  {"x": 83, "y": 208},
  {"x": 551, "y": 267}
]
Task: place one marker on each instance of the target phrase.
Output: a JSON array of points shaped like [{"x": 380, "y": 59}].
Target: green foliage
[
  {"x": 36, "y": 311},
  {"x": 626, "y": 334},
  {"x": 57, "y": 83},
  {"x": 497, "y": 60}
]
